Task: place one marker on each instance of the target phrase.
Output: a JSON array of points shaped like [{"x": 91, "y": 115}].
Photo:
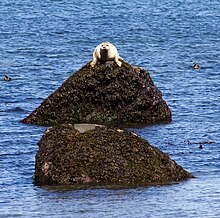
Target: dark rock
[
  {"x": 104, "y": 94},
  {"x": 101, "y": 156}
]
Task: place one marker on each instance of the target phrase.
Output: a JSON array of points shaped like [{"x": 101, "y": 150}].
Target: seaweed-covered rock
[
  {"x": 101, "y": 155},
  {"x": 104, "y": 94}
]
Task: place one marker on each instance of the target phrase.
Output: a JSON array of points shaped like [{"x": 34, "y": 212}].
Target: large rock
[
  {"x": 104, "y": 94},
  {"x": 95, "y": 154}
]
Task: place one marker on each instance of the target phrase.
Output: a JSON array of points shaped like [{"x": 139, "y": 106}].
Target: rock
[
  {"x": 105, "y": 94},
  {"x": 101, "y": 155}
]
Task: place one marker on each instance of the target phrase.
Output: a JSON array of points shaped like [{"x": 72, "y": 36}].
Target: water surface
[{"x": 42, "y": 43}]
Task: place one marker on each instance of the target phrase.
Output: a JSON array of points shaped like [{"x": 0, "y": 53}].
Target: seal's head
[{"x": 105, "y": 46}]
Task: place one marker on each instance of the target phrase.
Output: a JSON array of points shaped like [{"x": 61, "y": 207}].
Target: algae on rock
[
  {"x": 101, "y": 155},
  {"x": 105, "y": 94}
]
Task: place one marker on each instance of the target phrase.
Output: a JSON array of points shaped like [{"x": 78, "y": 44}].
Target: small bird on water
[
  {"x": 7, "y": 77},
  {"x": 196, "y": 66}
]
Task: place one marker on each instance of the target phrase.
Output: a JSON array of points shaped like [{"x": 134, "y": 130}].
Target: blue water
[{"x": 42, "y": 43}]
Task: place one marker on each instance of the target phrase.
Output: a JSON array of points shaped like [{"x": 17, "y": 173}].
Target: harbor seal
[{"x": 106, "y": 52}]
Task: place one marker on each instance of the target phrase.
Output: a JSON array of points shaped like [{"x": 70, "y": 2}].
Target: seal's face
[{"x": 105, "y": 46}]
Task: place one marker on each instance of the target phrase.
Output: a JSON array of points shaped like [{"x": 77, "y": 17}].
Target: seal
[{"x": 106, "y": 52}]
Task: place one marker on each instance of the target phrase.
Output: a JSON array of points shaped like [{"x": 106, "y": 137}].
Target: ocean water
[{"x": 42, "y": 43}]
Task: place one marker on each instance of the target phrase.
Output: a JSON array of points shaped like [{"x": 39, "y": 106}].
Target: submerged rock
[
  {"x": 104, "y": 94},
  {"x": 101, "y": 155}
]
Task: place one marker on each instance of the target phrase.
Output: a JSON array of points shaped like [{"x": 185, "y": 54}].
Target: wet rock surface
[
  {"x": 101, "y": 155},
  {"x": 105, "y": 94}
]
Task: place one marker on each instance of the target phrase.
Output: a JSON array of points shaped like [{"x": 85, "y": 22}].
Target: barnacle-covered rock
[
  {"x": 104, "y": 94},
  {"x": 94, "y": 154}
]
